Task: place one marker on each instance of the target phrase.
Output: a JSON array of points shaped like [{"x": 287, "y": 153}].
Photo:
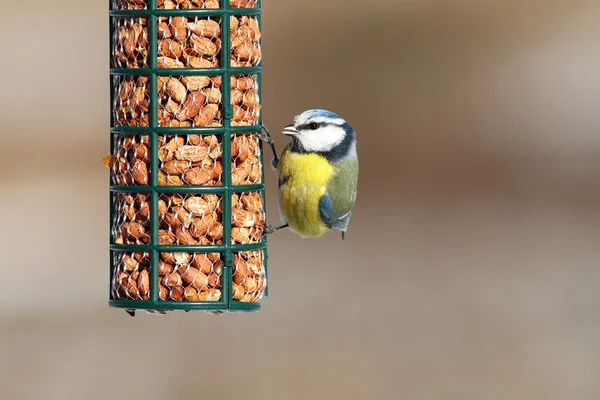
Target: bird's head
[{"x": 322, "y": 131}]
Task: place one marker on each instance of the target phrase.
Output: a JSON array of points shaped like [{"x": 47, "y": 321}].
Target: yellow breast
[{"x": 307, "y": 177}]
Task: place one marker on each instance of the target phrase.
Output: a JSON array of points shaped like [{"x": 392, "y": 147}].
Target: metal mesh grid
[
  {"x": 129, "y": 4},
  {"x": 189, "y": 101},
  {"x": 131, "y": 160},
  {"x": 246, "y": 156},
  {"x": 189, "y": 42},
  {"x": 190, "y": 160},
  {"x": 245, "y": 41},
  {"x": 187, "y": 173},
  {"x": 131, "y": 218},
  {"x": 130, "y": 42},
  {"x": 249, "y": 280},
  {"x": 186, "y": 219},
  {"x": 132, "y": 275},
  {"x": 247, "y": 217},
  {"x": 245, "y": 100},
  {"x": 131, "y": 102},
  {"x": 193, "y": 277}
]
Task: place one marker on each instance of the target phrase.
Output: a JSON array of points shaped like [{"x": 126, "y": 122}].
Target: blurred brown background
[{"x": 470, "y": 270}]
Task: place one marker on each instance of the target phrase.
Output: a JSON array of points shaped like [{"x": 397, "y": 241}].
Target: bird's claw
[
  {"x": 266, "y": 137},
  {"x": 269, "y": 229}
]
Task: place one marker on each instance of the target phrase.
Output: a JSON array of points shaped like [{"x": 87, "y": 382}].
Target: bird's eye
[{"x": 313, "y": 126}]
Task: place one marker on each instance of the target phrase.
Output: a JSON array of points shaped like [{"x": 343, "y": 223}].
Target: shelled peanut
[
  {"x": 130, "y": 4},
  {"x": 247, "y": 217},
  {"x": 190, "y": 219},
  {"x": 243, "y": 3},
  {"x": 131, "y": 276},
  {"x": 186, "y": 160},
  {"x": 185, "y": 101},
  {"x": 245, "y": 155},
  {"x": 130, "y": 42},
  {"x": 131, "y": 101},
  {"x": 131, "y": 218},
  {"x": 245, "y": 37},
  {"x": 187, "y": 219},
  {"x": 189, "y": 42},
  {"x": 190, "y": 276},
  {"x": 245, "y": 100},
  {"x": 249, "y": 279},
  {"x": 182, "y": 4},
  {"x": 183, "y": 219},
  {"x": 186, "y": 42},
  {"x": 131, "y": 160},
  {"x": 189, "y": 101},
  {"x": 185, "y": 4}
]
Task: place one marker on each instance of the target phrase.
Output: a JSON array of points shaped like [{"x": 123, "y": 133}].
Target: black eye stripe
[
  {"x": 307, "y": 126},
  {"x": 304, "y": 127}
]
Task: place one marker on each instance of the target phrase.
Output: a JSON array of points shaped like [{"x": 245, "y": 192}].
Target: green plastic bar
[
  {"x": 207, "y": 12},
  {"x": 184, "y": 305},
  {"x": 137, "y": 130},
  {"x": 168, "y": 71},
  {"x": 264, "y": 194},
  {"x": 170, "y": 304},
  {"x": 130, "y": 248},
  {"x": 131, "y": 189},
  {"x": 228, "y": 109},
  {"x": 171, "y": 189},
  {"x": 188, "y": 12},
  {"x": 185, "y": 189},
  {"x": 184, "y": 71},
  {"x": 130, "y": 13},
  {"x": 153, "y": 32},
  {"x": 216, "y": 248}
]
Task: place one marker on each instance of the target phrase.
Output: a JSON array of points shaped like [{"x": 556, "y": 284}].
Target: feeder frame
[{"x": 227, "y": 249}]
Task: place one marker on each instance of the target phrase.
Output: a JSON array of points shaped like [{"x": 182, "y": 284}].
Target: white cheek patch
[{"x": 323, "y": 139}]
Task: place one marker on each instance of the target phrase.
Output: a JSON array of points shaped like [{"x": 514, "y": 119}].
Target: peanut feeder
[{"x": 186, "y": 165}]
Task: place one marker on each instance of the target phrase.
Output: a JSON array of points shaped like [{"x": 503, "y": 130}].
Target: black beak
[{"x": 290, "y": 130}]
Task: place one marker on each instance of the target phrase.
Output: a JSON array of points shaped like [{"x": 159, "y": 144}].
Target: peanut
[{"x": 197, "y": 276}]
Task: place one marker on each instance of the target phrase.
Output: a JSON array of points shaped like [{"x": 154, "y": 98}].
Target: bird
[{"x": 317, "y": 174}]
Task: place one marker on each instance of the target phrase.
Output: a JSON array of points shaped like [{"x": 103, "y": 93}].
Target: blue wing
[{"x": 329, "y": 217}]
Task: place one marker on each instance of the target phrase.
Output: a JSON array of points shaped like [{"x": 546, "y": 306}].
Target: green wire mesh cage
[{"x": 187, "y": 173}]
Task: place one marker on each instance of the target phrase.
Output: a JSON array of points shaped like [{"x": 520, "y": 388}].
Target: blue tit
[{"x": 317, "y": 174}]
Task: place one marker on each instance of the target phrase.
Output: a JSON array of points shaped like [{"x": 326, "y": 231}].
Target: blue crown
[{"x": 321, "y": 113}]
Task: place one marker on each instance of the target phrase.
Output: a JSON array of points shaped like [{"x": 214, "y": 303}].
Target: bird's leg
[
  {"x": 130, "y": 312},
  {"x": 268, "y": 229},
  {"x": 343, "y": 234},
  {"x": 267, "y": 138}
]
